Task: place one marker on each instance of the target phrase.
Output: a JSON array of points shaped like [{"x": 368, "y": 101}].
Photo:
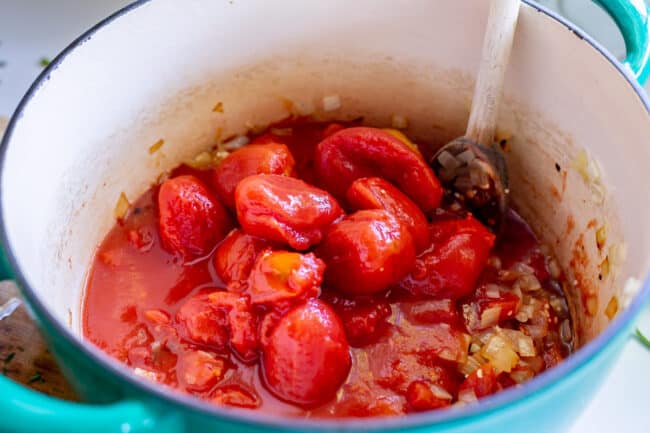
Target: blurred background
[{"x": 32, "y": 32}]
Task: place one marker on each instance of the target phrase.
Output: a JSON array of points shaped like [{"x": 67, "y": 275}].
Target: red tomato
[
  {"x": 192, "y": 221},
  {"x": 271, "y": 158},
  {"x": 199, "y": 371},
  {"x": 235, "y": 256},
  {"x": 429, "y": 311},
  {"x": 437, "y": 341},
  {"x": 364, "y": 320},
  {"x": 422, "y": 395},
  {"x": 451, "y": 266},
  {"x": 281, "y": 276},
  {"x": 285, "y": 209},
  {"x": 366, "y": 252},
  {"x": 482, "y": 382},
  {"x": 307, "y": 356},
  {"x": 377, "y": 193},
  {"x": 242, "y": 323},
  {"x": 202, "y": 323},
  {"x": 237, "y": 396},
  {"x": 358, "y": 152}
]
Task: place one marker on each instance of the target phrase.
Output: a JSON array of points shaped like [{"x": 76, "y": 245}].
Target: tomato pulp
[{"x": 322, "y": 271}]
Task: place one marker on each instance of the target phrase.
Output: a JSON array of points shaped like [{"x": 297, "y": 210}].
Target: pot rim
[{"x": 491, "y": 404}]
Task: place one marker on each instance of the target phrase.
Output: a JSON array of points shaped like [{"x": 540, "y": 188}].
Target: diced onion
[
  {"x": 521, "y": 342},
  {"x": 493, "y": 291},
  {"x": 528, "y": 283},
  {"x": 448, "y": 161},
  {"x": 500, "y": 353},
  {"x": 473, "y": 363},
  {"x": 122, "y": 206},
  {"x": 490, "y": 317},
  {"x": 148, "y": 374},
  {"x": 522, "y": 375},
  {"x": 601, "y": 237},
  {"x": 439, "y": 392},
  {"x": 466, "y": 156},
  {"x": 612, "y": 307},
  {"x": 467, "y": 396},
  {"x": 331, "y": 102},
  {"x": 235, "y": 143}
]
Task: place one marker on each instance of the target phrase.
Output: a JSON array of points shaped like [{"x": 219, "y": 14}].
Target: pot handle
[
  {"x": 26, "y": 411},
  {"x": 631, "y": 17}
]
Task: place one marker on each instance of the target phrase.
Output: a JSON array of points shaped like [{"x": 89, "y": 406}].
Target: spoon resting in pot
[{"x": 472, "y": 166}]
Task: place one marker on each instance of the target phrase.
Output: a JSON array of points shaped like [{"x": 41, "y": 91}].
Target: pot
[{"x": 577, "y": 118}]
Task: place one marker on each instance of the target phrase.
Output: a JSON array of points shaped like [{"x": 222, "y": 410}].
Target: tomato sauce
[{"x": 324, "y": 284}]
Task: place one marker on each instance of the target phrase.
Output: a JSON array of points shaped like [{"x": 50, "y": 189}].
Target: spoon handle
[{"x": 497, "y": 45}]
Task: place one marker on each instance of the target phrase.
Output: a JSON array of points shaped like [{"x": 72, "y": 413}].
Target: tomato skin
[
  {"x": 365, "y": 320},
  {"x": 483, "y": 381},
  {"x": 202, "y": 323},
  {"x": 270, "y": 158},
  {"x": 366, "y": 252},
  {"x": 279, "y": 277},
  {"x": 192, "y": 220},
  {"x": 306, "y": 357},
  {"x": 429, "y": 311},
  {"x": 199, "y": 371},
  {"x": 453, "y": 263},
  {"x": 420, "y": 396},
  {"x": 377, "y": 193},
  {"x": 235, "y": 257},
  {"x": 284, "y": 209},
  {"x": 358, "y": 152}
]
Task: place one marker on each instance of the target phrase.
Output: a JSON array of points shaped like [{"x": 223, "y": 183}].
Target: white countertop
[{"x": 33, "y": 29}]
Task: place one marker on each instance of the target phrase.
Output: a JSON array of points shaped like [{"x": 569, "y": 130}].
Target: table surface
[{"x": 34, "y": 29}]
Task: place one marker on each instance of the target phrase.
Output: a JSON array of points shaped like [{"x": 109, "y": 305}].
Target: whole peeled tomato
[
  {"x": 271, "y": 158},
  {"x": 192, "y": 220},
  {"x": 358, "y": 152},
  {"x": 284, "y": 209},
  {"x": 235, "y": 256},
  {"x": 306, "y": 356},
  {"x": 366, "y": 252},
  {"x": 453, "y": 263},
  {"x": 377, "y": 193}
]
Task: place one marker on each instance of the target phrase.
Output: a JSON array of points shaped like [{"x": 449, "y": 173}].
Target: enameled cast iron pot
[{"x": 577, "y": 117}]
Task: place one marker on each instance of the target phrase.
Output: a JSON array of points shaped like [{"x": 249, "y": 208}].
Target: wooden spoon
[{"x": 472, "y": 166}]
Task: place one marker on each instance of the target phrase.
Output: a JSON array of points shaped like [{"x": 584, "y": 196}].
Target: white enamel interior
[{"x": 157, "y": 71}]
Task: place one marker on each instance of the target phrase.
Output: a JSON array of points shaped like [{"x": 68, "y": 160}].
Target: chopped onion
[
  {"x": 122, "y": 206},
  {"x": 490, "y": 317},
  {"x": 522, "y": 375},
  {"x": 447, "y": 161},
  {"x": 474, "y": 362},
  {"x": 522, "y": 268},
  {"x": 612, "y": 307},
  {"x": 235, "y": 143},
  {"x": 331, "y": 102},
  {"x": 439, "y": 392},
  {"x": 202, "y": 160},
  {"x": 528, "y": 283},
  {"x": 554, "y": 269},
  {"x": 601, "y": 236},
  {"x": 467, "y": 396},
  {"x": 521, "y": 342},
  {"x": 148, "y": 374},
  {"x": 500, "y": 353},
  {"x": 478, "y": 173},
  {"x": 466, "y": 157},
  {"x": 493, "y": 291}
]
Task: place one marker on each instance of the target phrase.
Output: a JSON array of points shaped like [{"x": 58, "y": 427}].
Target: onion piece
[
  {"x": 331, "y": 102},
  {"x": 490, "y": 317},
  {"x": 499, "y": 351},
  {"x": 235, "y": 143},
  {"x": 493, "y": 291}
]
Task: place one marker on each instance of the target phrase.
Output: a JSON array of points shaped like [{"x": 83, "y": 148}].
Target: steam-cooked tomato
[
  {"x": 451, "y": 266},
  {"x": 358, "y": 152},
  {"x": 279, "y": 277},
  {"x": 377, "y": 193},
  {"x": 271, "y": 158},
  {"x": 285, "y": 209},
  {"x": 192, "y": 220},
  {"x": 367, "y": 252},
  {"x": 307, "y": 356},
  {"x": 365, "y": 320},
  {"x": 235, "y": 256}
]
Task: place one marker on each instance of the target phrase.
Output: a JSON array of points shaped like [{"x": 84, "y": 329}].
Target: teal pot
[{"x": 155, "y": 69}]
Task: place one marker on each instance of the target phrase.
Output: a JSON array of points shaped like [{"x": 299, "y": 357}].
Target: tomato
[
  {"x": 285, "y": 209},
  {"x": 237, "y": 396},
  {"x": 200, "y": 322},
  {"x": 377, "y": 193},
  {"x": 358, "y": 152},
  {"x": 488, "y": 307},
  {"x": 440, "y": 341},
  {"x": 271, "y": 158},
  {"x": 235, "y": 256},
  {"x": 192, "y": 220},
  {"x": 242, "y": 323},
  {"x": 482, "y": 382},
  {"x": 429, "y": 311},
  {"x": 199, "y": 371},
  {"x": 364, "y": 320},
  {"x": 422, "y": 395},
  {"x": 451, "y": 266},
  {"x": 366, "y": 252},
  {"x": 281, "y": 276},
  {"x": 307, "y": 355}
]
